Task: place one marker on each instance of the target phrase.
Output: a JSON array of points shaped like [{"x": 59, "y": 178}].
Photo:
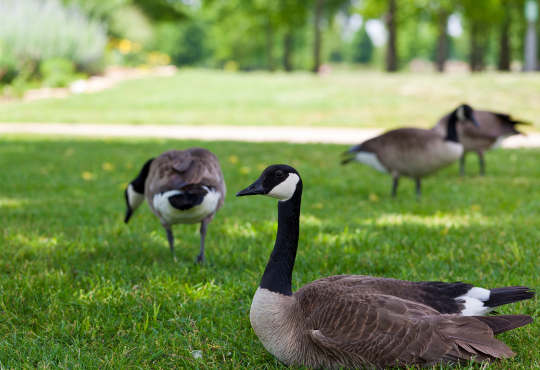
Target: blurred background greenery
[{"x": 51, "y": 43}]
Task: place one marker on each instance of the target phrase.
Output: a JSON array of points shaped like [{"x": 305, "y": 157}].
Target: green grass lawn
[
  {"x": 80, "y": 289},
  {"x": 354, "y": 99}
]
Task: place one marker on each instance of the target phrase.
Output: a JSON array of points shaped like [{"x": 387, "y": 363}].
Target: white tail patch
[
  {"x": 474, "y": 302},
  {"x": 371, "y": 160},
  {"x": 135, "y": 199},
  {"x": 172, "y": 216},
  {"x": 498, "y": 142},
  {"x": 285, "y": 190}
]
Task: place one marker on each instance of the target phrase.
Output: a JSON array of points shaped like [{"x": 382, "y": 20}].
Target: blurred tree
[
  {"x": 318, "y": 16},
  {"x": 512, "y": 11},
  {"x": 362, "y": 47},
  {"x": 324, "y": 10},
  {"x": 391, "y": 23},
  {"x": 291, "y": 16},
  {"x": 162, "y": 10},
  {"x": 440, "y": 12},
  {"x": 482, "y": 16},
  {"x": 185, "y": 42},
  {"x": 437, "y": 13},
  {"x": 387, "y": 9},
  {"x": 241, "y": 29}
]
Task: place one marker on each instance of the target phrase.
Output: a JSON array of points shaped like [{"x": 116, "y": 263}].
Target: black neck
[
  {"x": 278, "y": 274},
  {"x": 138, "y": 183},
  {"x": 451, "y": 132}
]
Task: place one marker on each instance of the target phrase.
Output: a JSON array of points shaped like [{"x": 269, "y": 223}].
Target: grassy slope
[
  {"x": 81, "y": 289},
  {"x": 357, "y": 99}
]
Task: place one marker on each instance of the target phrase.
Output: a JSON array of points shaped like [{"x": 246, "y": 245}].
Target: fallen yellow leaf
[
  {"x": 107, "y": 166},
  {"x": 87, "y": 176}
]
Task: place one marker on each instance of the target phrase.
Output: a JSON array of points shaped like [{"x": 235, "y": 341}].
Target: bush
[
  {"x": 58, "y": 72},
  {"x": 32, "y": 31}
]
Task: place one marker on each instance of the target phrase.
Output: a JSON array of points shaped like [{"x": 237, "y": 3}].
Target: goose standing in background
[
  {"x": 354, "y": 321},
  {"x": 180, "y": 187},
  {"x": 493, "y": 129},
  {"x": 412, "y": 152}
]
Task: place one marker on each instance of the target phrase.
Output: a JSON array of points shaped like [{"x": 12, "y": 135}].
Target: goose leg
[
  {"x": 418, "y": 189},
  {"x": 462, "y": 165},
  {"x": 482, "y": 164},
  {"x": 395, "y": 186},
  {"x": 170, "y": 238},
  {"x": 204, "y": 226}
]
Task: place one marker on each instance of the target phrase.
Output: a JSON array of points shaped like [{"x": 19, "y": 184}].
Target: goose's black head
[
  {"x": 465, "y": 113},
  {"x": 277, "y": 181}
]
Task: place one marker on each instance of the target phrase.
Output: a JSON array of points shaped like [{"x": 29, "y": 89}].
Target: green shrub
[
  {"x": 33, "y": 31},
  {"x": 58, "y": 72}
]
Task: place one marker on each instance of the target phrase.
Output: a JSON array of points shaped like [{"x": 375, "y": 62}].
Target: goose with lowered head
[
  {"x": 355, "y": 321},
  {"x": 412, "y": 152},
  {"x": 180, "y": 187}
]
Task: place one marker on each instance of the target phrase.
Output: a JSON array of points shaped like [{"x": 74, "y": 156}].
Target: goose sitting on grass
[{"x": 355, "y": 321}]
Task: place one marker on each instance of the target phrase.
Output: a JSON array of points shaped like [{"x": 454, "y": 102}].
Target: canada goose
[
  {"x": 180, "y": 187},
  {"x": 494, "y": 128},
  {"x": 355, "y": 321},
  {"x": 412, "y": 152}
]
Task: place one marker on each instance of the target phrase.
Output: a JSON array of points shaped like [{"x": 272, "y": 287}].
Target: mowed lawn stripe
[{"x": 345, "y": 98}]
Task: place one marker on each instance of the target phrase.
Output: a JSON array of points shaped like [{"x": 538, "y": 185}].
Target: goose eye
[{"x": 279, "y": 173}]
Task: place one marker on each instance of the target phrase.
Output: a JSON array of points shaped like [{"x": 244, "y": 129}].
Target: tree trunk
[
  {"x": 319, "y": 6},
  {"x": 476, "y": 57},
  {"x": 391, "y": 54},
  {"x": 270, "y": 47},
  {"x": 441, "y": 40},
  {"x": 504, "y": 57},
  {"x": 288, "y": 50}
]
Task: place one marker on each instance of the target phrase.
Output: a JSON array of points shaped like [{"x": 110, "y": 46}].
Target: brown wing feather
[
  {"x": 435, "y": 294},
  {"x": 378, "y": 330}
]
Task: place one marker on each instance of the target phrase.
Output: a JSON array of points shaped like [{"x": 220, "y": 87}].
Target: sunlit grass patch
[
  {"x": 344, "y": 98},
  {"x": 437, "y": 220}
]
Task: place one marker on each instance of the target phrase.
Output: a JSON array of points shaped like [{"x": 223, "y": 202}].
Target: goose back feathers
[
  {"x": 190, "y": 175},
  {"x": 354, "y": 321},
  {"x": 180, "y": 187}
]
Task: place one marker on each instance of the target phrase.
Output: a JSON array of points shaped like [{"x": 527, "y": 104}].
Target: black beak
[
  {"x": 254, "y": 189},
  {"x": 129, "y": 211},
  {"x": 473, "y": 120}
]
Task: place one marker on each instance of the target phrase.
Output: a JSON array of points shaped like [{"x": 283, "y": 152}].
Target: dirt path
[{"x": 234, "y": 133}]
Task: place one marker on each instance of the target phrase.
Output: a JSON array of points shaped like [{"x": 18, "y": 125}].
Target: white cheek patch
[
  {"x": 135, "y": 199},
  {"x": 371, "y": 160},
  {"x": 461, "y": 113},
  {"x": 286, "y": 189}
]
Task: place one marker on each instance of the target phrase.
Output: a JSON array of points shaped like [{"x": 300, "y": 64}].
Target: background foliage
[{"x": 256, "y": 34}]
